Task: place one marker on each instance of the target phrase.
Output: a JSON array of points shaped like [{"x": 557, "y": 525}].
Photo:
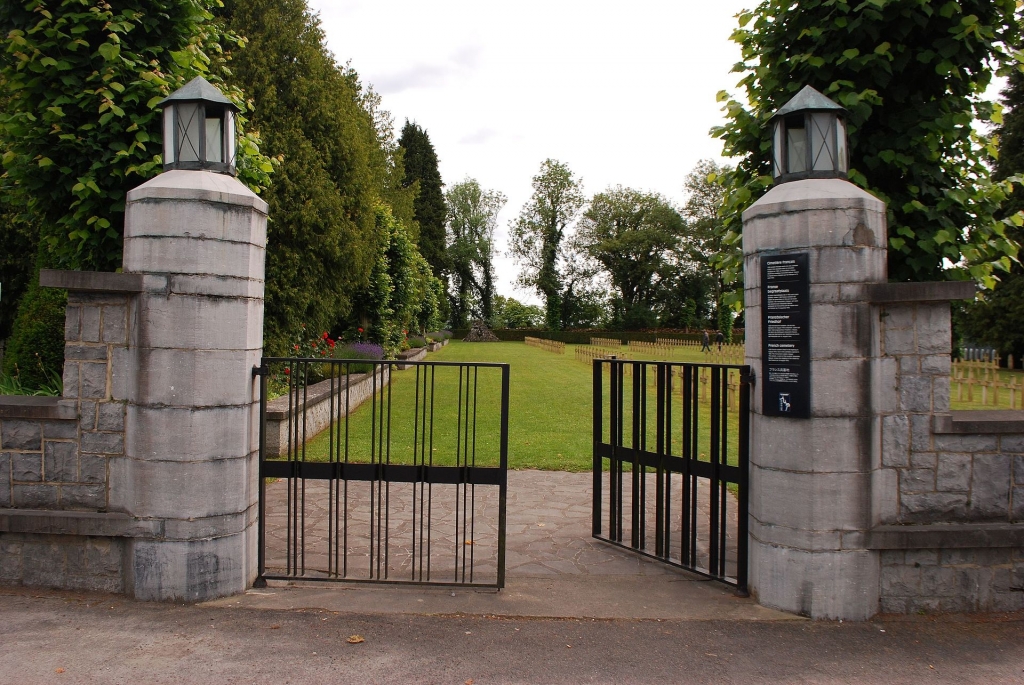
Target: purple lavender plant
[{"x": 360, "y": 350}]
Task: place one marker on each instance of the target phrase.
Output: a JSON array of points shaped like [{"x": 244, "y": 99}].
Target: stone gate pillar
[
  {"x": 811, "y": 477},
  {"x": 198, "y": 238}
]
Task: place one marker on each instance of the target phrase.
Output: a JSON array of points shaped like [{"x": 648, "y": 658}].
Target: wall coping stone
[
  {"x": 91, "y": 281},
  {"x": 30, "y": 407},
  {"x": 983, "y": 421},
  {"x": 946, "y": 536},
  {"x": 932, "y": 291}
]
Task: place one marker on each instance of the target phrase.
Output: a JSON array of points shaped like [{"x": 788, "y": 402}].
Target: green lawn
[{"x": 550, "y": 413}]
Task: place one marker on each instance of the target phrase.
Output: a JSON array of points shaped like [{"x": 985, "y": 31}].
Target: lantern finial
[
  {"x": 199, "y": 128},
  {"x": 809, "y": 138}
]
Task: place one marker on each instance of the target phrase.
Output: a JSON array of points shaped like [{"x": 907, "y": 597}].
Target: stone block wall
[
  {"x": 950, "y": 492},
  {"x": 941, "y": 472},
  {"x": 952, "y": 579},
  {"x": 142, "y": 478},
  {"x": 53, "y": 454}
]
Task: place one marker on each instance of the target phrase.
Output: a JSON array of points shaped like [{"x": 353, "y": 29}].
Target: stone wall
[
  {"x": 54, "y": 453},
  {"x": 950, "y": 493},
  {"x": 49, "y": 457}
]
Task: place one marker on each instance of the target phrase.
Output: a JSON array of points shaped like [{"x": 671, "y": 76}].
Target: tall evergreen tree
[
  {"x": 336, "y": 166},
  {"x": 420, "y": 161}
]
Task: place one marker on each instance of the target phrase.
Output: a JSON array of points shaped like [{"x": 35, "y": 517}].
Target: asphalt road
[{"x": 64, "y": 637}]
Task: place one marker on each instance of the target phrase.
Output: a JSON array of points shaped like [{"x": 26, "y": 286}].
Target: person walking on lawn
[
  {"x": 719, "y": 338},
  {"x": 704, "y": 342}
]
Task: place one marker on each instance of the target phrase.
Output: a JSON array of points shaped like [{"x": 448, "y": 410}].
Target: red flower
[
  {"x": 405, "y": 332},
  {"x": 296, "y": 347},
  {"x": 330, "y": 342},
  {"x": 287, "y": 372},
  {"x": 323, "y": 353},
  {"x": 314, "y": 346},
  {"x": 324, "y": 336},
  {"x": 360, "y": 330}
]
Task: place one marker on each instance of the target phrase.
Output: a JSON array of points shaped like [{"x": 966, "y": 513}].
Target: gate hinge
[
  {"x": 752, "y": 377},
  {"x": 261, "y": 370}
]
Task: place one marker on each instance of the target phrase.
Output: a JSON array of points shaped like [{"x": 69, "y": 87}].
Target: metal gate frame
[
  {"x": 381, "y": 473},
  {"x": 665, "y": 461}
]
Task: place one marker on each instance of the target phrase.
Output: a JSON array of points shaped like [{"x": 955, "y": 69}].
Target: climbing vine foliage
[
  {"x": 911, "y": 73},
  {"x": 81, "y": 129}
]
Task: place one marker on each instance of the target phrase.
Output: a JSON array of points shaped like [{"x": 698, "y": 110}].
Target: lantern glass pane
[
  {"x": 229, "y": 136},
  {"x": 821, "y": 142},
  {"x": 777, "y": 129},
  {"x": 796, "y": 146},
  {"x": 214, "y": 139},
  {"x": 188, "y": 132},
  {"x": 168, "y": 135},
  {"x": 842, "y": 163}
]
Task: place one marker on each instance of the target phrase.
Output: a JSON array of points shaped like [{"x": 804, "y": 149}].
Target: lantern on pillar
[
  {"x": 199, "y": 129},
  {"x": 809, "y": 138}
]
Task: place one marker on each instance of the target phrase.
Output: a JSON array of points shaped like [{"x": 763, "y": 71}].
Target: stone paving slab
[{"x": 555, "y": 568}]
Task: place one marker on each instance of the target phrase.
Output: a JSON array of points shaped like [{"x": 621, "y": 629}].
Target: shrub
[
  {"x": 35, "y": 351},
  {"x": 416, "y": 341}
]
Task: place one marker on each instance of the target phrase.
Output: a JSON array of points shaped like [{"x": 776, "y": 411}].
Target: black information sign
[{"x": 785, "y": 336}]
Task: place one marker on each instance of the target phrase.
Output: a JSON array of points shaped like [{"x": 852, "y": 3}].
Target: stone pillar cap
[
  {"x": 180, "y": 184},
  {"x": 811, "y": 194}
]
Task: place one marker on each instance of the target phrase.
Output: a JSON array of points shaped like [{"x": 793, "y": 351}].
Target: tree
[
  {"x": 79, "y": 82},
  {"x": 337, "y": 165},
  {"x": 633, "y": 236},
  {"x": 81, "y": 129},
  {"x": 705, "y": 238},
  {"x": 472, "y": 218},
  {"x": 538, "y": 234},
  {"x": 400, "y": 288},
  {"x": 511, "y": 313},
  {"x": 997, "y": 319},
  {"x": 421, "y": 170},
  {"x": 911, "y": 73}
]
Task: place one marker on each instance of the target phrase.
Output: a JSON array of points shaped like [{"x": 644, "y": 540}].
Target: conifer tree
[
  {"x": 336, "y": 166},
  {"x": 420, "y": 161}
]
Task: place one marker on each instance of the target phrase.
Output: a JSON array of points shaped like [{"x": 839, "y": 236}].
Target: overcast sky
[{"x": 623, "y": 93}]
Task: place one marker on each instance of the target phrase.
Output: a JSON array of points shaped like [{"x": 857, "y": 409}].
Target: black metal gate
[
  {"x": 672, "y": 441},
  {"x": 385, "y": 471}
]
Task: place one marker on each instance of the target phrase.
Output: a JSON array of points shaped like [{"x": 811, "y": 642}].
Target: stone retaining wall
[{"x": 348, "y": 394}]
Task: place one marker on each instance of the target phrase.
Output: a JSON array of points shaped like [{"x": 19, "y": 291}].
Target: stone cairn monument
[{"x": 479, "y": 332}]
